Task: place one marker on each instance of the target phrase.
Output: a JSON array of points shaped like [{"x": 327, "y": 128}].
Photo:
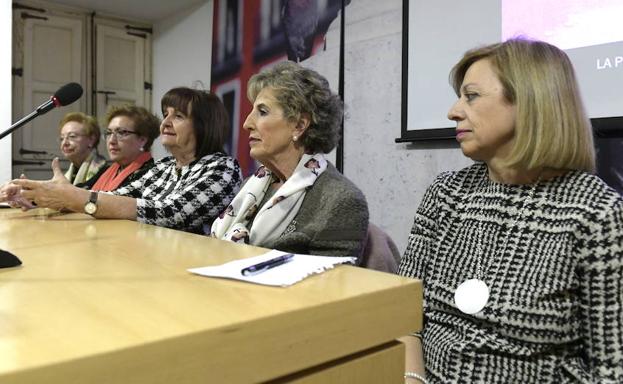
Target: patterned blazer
[
  {"x": 555, "y": 313},
  {"x": 188, "y": 199}
]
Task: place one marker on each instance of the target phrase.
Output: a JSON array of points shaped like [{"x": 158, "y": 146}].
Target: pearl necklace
[{"x": 472, "y": 295}]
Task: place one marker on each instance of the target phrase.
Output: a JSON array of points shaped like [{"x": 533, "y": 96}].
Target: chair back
[{"x": 380, "y": 252}]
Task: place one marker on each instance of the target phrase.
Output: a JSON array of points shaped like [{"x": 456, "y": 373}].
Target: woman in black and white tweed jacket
[
  {"x": 185, "y": 191},
  {"x": 190, "y": 188},
  {"x": 521, "y": 254}
]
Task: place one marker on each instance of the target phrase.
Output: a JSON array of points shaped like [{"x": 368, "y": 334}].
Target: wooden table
[{"x": 110, "y": 301}]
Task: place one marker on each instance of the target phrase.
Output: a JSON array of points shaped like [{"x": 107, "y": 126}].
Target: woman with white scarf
[
  {"x": 79, "y": 137},
  {"x": 297, "y": 201}
]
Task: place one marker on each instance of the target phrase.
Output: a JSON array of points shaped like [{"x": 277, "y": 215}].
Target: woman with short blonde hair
[
  {"x": 79, "y": 137},
  {"x": 129, "y": 134},
  {"x": 145, "y": 123}
]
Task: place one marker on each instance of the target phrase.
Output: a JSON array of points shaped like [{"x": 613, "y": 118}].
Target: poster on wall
[
  {"x": 588, "y": 31},
  {"x": 249, "y": 35}
]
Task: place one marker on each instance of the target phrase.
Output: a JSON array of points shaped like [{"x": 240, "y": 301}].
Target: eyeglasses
[
  {"x": 70, "y": 136},
  {"x": 120, "y": 134}
]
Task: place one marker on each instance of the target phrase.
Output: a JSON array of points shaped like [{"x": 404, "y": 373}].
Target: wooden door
[
  {"x": 52, "y": 55},
  {"x": 122, "y": 73}
]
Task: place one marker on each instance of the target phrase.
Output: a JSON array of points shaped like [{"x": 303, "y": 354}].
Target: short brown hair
[
  {"x": 145, "y": 123},
  {"x": 91, "y": 128},
  {"x": 209, "y": 116},
  {"x": 552, "y": 129}
]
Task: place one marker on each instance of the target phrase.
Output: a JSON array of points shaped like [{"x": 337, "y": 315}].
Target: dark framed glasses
[{"x": 120, "y": 134}]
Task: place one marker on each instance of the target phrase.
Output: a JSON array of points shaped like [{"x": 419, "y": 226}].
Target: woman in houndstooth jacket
[{"x": 521, "y": 254}]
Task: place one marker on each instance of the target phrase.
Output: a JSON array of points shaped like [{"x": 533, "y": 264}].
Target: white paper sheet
[{"x": 298, "y": 268}]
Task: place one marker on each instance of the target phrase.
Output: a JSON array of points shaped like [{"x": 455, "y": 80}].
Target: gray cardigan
[{"x": 332, "y": 220}]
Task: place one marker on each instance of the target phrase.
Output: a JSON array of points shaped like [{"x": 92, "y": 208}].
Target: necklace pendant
[{"x": 471, "y": 296}]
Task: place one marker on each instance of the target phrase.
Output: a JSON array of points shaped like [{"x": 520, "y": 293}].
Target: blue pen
[{"x": 266, "y": 265}]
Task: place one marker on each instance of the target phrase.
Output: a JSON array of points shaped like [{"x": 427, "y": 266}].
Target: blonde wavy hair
[
  {"x": 91, "y": 127},
  {"x": 552, "y": 129}
]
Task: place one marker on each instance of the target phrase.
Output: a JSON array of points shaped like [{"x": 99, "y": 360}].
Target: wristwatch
[{"x": 90, "y": 207}]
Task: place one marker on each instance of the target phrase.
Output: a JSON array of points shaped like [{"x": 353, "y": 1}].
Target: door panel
[
  {"x": 54, "y": 48},
  {"x": 120, "y": 59},
  {"x": 52, "y": 57}
]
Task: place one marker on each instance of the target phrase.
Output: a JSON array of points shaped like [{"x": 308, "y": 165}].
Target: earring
[{"x": 295, "y": 138}]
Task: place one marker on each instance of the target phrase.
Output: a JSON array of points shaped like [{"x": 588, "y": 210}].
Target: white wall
[
  {"x": 393, "y": 176},
  {"x": 5, "y": 88},
  {"x": 182, "y": 54}
]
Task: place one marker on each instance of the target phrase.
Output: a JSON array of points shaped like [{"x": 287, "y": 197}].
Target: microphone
[{"x": 65, "y": 95}]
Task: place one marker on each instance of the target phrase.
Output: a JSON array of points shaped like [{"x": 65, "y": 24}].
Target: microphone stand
[
  {"x": 43, "y": 108},
  {"x": 20, "y": 122},
  {"x": 66, "y": 95}
]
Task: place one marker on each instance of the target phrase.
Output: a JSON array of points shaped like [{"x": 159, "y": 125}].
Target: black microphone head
[
  {"x": 8, "y": 260},
  {"x": 67, "y": 94}
]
